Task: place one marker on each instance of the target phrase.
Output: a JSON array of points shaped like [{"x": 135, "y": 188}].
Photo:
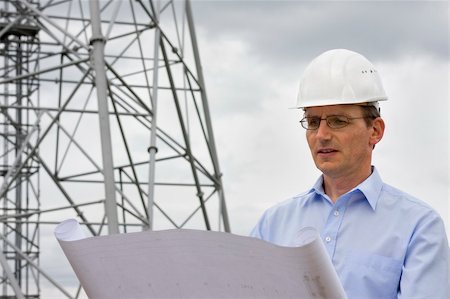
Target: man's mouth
[{"x": 326, "y": 150}]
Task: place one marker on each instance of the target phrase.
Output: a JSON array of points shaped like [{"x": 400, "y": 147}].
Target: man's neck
[{"x": 335, "y": 187}]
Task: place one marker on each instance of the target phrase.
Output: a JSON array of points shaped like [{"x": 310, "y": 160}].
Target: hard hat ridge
[{"x": 340, "y": 77}]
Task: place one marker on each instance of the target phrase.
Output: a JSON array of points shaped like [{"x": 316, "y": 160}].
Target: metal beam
[
  {"x": 42, "y": 137},
  {"x": 153, "y": 147},
  {"x": 35, "y": 74},
  {"x": 10, "y": 275},
  {"x": 186, "y": 139},
  {"x": 54, "y": 24},
  {"x": 30, "y": 261},
  {"x": 211, "y": 143},
  {"x": 98, "y": 44}
]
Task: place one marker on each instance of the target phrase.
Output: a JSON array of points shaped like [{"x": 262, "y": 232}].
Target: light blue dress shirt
[{"x": 383, "y": 242}]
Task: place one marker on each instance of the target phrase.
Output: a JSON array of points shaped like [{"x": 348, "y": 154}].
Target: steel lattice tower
[{"x": 104, "y": 117}]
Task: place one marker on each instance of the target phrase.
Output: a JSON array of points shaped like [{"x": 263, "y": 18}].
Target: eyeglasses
[{"x": 333, "y": 121}]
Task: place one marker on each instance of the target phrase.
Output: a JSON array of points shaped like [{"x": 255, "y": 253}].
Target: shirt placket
[{"x": 331, "y": 228}]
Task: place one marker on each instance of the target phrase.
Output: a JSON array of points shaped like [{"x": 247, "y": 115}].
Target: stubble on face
[{"x": 344, "y": 152}]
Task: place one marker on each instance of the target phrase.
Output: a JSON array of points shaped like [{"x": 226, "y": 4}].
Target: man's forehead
[{"x": 332, "y": 109}]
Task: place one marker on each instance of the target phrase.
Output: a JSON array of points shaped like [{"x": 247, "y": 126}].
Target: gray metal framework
[{"x": 103, "y": 117}]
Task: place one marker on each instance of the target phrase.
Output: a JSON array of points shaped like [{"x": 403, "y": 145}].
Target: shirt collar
[{"x": 370, "y": 188}]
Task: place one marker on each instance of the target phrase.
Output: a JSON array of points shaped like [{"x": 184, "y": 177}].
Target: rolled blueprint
[
  {"x": 321, "y": 283},
  {"x": 198, "y": 264},
  {"x": 69, "y": 230}
]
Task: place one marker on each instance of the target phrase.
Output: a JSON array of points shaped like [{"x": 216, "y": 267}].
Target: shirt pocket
[{"x": 367, "y": 275}]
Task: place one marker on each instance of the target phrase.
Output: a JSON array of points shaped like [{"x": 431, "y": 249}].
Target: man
[{"x": 383, "y": 242}]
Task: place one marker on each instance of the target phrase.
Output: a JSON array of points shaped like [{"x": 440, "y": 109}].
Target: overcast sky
[{"x": 253, "y": 54}]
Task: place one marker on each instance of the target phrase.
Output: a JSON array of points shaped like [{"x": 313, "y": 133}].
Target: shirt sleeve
[
  {"x": 256, "y": 232},
  {"x": 425, "y": 270}
]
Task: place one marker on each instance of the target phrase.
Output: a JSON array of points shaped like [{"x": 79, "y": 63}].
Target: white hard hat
[{"x": 340, "y": 77}]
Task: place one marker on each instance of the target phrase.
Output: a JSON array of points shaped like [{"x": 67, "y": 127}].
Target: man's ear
[{"x": 377, "y": 131}]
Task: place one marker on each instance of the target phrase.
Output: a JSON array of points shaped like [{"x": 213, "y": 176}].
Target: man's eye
[
  {"x": 313, "y": 121},
  {"x": 338, "y": 120}
]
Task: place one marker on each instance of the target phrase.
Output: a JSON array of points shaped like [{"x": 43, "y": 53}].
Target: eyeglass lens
[{"x": 333, "y": 121}]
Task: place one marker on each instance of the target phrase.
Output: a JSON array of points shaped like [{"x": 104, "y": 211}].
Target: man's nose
[{"x": 323, "y": 131}]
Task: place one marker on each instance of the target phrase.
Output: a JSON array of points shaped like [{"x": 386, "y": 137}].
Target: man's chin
[{"x": 328, "y": 169}]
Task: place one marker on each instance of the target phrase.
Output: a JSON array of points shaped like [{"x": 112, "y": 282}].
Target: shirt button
[
  {"x": 336, "y": 213},
  {"x": 328, "y": 239}
]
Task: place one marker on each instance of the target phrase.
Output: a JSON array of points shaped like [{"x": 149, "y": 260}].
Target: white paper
[
  {"x": 69, "y": 230},
  {"x": 202, "y": 264}
]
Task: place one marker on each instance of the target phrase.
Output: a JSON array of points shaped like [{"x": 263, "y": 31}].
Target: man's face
[{"x": 345, "y": 151}]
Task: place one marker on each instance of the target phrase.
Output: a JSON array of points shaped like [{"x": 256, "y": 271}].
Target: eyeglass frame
[{"x": 304, "y": 123}]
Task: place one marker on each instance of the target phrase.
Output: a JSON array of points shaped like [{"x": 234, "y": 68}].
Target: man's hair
[{"x": 370, "y": 113}]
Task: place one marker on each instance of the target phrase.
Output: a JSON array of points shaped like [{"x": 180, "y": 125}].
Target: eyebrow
[{"x": 334, "y": 114}]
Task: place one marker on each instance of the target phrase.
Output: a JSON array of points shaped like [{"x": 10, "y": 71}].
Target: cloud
[
  {"x": 291, "y": 31},
  {"x": 253, "y": 53},
  {"x": 415, "y": 147}
]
